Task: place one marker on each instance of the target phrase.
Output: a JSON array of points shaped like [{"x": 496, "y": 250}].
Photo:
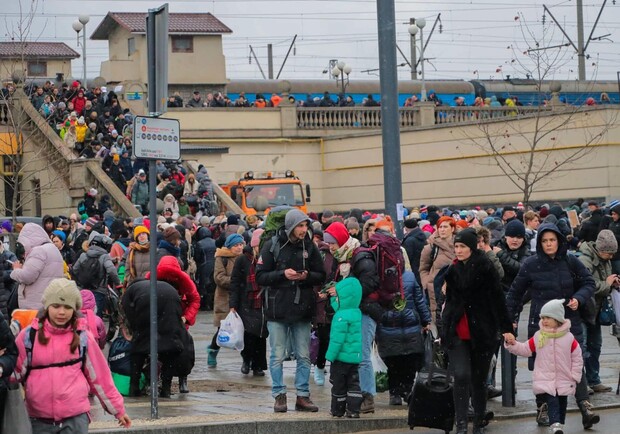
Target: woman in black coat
[
  {"x": 171, "y": 332},
  {"x": 7, "y": 360},
  {"x": 245, "y": 297},
  {"x": 473, "y": 319}
]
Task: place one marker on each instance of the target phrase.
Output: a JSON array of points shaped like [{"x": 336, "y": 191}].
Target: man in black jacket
[
  {"x": 413, "y": 243},
  {"x": 288, "y": 268}
]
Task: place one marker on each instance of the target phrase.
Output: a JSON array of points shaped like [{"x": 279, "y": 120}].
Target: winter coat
[
  {"x": 6, "y": 283},
  {"x": 430, "y": 268},
  {"x": 95, "y": 323},
  {"x": 473, "y": 290},
  {"x": 140, "y": 193},
  {"x": 600, "y": 269},
  {"x": 62, "y": 392},
  {"x": 9, "y": 358},
  {"x": 511, "y": 261},
  {"x": 345, "y": 338},
  {"x": 400, "y": 332},
  {"x": 204, "y": 255},
  {"x": 589, "y": 227},
  {"x": 43, "y": 263},
  {"x": 414, "y": 243},
  {"x": 558, "y": 364},
  {"x": 288, "y": 300},
  {"x": 224, "y": 262},
  {"x": 246, "y": 297},
  {"x": 546, "y": 278},
  {"x": 138, "y": 259},
  {"x": 609, "y": 223},
  {"x": 108, "y": 272},
  {"x": 168, "y": 270},
  {"x": 170, "y": 328}
]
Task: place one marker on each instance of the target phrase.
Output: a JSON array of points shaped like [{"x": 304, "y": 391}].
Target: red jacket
[{"x": 170, "y": 271}]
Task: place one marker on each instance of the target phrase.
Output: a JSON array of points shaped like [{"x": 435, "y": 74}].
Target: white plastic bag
[
  {"x": 378, "y": 365},
  {"x": 615, "y": 300},
  {"x": 231, "y": 332}
]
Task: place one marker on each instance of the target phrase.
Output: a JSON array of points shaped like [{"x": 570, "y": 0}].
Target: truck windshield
[{"x": 274, "y": 195}]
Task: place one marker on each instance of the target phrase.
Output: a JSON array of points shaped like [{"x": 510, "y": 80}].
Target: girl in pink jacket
[
  {"x": 60, "y": 363},
  {"x": 558, "y": 364}
]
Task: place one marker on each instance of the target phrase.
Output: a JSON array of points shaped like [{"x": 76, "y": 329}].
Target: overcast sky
[{"x": 479, "y": 39}]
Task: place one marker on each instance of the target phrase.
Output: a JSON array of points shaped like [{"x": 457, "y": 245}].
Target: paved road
[{"x": 610, "y": 424}]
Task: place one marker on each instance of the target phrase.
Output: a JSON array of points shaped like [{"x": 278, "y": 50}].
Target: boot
[
  {"x": 319, "y": 376},
  {"x": 368, "y": 404},
  {"x": 395, "y": 400},
  {"x": 212, "y": 357},
  {"x": 245, "y": 368},
  {"x": 258, "y": 372},
  {"x": 588, "y": 417},
  {"x": 183, "y": 385},
  {"x": 493, "y": 392},
  {"x": 280, "y": 405},
  {"x": 166, "y": 385},
  {"x": 304, "y": 403},
  {"x": 479, "y": 424},
  {"x": 461, "y": 426}
]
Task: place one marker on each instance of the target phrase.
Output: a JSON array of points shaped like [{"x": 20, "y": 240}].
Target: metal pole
[
  {"x": 580, "y": 51},
  {"x": 423, "y": 90},
  {"x": 84, "y": 55},
  {"x": 390, "y": 125},
  {"x": 257, "y": 62},
  {"x": 414, "y": 62},
  {"x": 286, "y": 57},
  {"x": 270, "y": 61}
]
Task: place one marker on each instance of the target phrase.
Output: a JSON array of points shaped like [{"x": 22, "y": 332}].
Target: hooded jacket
[
  {"x": 204, "y": 255},
  {"x": 94, "y": 322},
  {"x": 414, "y": 243},
  {"x": 43, "y": 263},
  {"x": 345, "y": 339},
  {"x": 511, "y": 261},
  {"x": 546, "y": 278},
  {"x": 400, "y": 332},
  {"x": 243, "y": 294},
  {"x": 62, "y": 392},
  {"x": 224, "y": 262},
  {"x": 289, "y": 300},
  {"x": 109, "y": 273},
  {"x": 558, "y": 364},
  {"x": 169, "y": 271},
  {"x": 600, "y": 269}
]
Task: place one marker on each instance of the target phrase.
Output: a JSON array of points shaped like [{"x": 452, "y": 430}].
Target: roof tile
[
  {"x": 135, "y": 22},
  {"x": 37, "y": 50}
]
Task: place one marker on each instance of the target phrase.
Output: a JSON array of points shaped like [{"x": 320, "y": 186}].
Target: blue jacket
[
  {"x": 400, "y": 332},
  {"x": 546, "y": 278}
]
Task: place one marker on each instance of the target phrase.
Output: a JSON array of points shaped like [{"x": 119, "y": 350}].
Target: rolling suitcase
[{"x": 431, "y": 403}]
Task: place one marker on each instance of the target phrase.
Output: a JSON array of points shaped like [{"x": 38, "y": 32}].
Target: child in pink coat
[
  {"x": 558, "y": 364},
  {"x": 94, "y": 322}
]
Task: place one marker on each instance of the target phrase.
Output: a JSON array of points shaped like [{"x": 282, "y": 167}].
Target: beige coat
[
  {"x": 429, "y": 268},
  {"x": 221, "y": 275}
]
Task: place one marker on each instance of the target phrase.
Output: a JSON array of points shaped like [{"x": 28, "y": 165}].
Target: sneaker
[
  {"x": 245, "y": 368},
  {"x": 396, "y": 400},
  {"x": 258, "y": 373},
  {"x": 368, "y": 404},
  {"x": 600, "y": 388},
  {"x": 542, "y": 415},
  {"x": 590, "y": 391},
  {"x": 280, "y": 404},
  {"x": 319, "y": 376},
  {"x": 304, "y": 403},
  {"x": 352, "y": 415},
  {"x": 493, "y": 392},
  {"x": 588, "y": 417},
  {"x": 556, "y": 428}
]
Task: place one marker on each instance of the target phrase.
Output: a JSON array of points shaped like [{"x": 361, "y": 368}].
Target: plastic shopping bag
[
  {"x": 15, "y": 419},
  {"x": 615, "y": 301},
  {"x": 378, "y": 365},
  {"x": 231, "y": 332}
]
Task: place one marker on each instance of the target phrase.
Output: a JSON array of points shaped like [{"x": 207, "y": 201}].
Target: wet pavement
[{"x": 222, "y": 399}]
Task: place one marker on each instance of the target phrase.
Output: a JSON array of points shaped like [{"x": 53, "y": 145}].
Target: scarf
[
  {"x": 133, "y": 247},
  {"x": 544, "y": 336},
  {"x": 255, "y": 295},
  {"x": 344, "y": 254}
]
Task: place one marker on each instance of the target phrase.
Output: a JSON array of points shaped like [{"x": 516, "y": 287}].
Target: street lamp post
[
  {"x": 420, "y": 23},
  {"x": 340, "y": 70},
  {"x": 80, "y": 26}
]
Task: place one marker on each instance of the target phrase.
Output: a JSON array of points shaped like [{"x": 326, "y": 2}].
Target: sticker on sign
[{"x": 156, "y": 138}]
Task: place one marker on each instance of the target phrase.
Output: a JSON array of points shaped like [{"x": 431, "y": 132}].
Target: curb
[{"x": 304, "y": 426}]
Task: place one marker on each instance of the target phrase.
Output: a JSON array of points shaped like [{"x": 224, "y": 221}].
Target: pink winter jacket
[
  {"x": 558, "y": 364},
  {"x": 43, "y": 263},
  {"x": 95, "y": 323},
  {"x": 59, "y": 393}
]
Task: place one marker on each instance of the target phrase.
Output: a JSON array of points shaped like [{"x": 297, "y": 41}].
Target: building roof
[
  {"x": 50, "y": 50},
  {"x": 178, "y": 23}
]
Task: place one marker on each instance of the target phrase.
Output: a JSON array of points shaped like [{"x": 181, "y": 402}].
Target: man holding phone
[{"x": 288, "y": 268}]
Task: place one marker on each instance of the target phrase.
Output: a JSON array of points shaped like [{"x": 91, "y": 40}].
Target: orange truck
[{"x": 258, "y": 193}]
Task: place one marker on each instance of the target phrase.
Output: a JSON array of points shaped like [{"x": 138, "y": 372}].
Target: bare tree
[
  {"x": 31, "y": 167},
  {"x": 531, "y": 145}
]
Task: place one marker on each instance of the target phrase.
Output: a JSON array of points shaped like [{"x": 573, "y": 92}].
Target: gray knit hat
[
  {"x": 606, "y": 242},
  {"x": 554, "y": 309},
  {"x": 64, "y": 292}
]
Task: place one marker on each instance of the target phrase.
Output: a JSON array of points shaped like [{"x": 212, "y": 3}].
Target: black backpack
[{"x": 92, "y": 272}]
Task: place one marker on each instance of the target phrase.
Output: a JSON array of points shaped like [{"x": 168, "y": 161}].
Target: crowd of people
[{"x": 463, "y": 273}]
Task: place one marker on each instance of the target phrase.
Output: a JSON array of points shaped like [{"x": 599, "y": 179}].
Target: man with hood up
[
  {"x": 552, "y": 273},
  {"x": 42, "y": 264},
  {"x": 204, "y": 255},
  {"x": 288, "y": 268}
]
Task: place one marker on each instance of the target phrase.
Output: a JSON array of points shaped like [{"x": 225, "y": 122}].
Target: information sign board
[{"x": 156, "y": 138}]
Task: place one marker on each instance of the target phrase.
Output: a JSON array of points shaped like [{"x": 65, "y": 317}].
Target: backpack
[
  {"x": 81, "y": 207},
  {"x": 92, "y": 272},
  {"x": 29, "y": 338},
  {"x": 390, "y": 264}
]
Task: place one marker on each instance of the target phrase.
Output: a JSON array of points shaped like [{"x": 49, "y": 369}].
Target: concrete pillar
[{"x": 426, "y": 116}]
